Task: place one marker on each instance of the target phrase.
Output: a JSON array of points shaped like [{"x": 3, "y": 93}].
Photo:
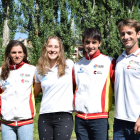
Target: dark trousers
[
  {"x": 124, "y": 130},
  {"x": 55, "y": 126},
  {"x": 95, "y": 129}
]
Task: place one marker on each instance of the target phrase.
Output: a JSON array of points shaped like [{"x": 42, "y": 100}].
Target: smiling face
[
  {"x": 129, "y": 37},
  {"x": 16, "y": 54},
  {"x": 53, "y": 49},
  {"x": 91, "y": 45}
]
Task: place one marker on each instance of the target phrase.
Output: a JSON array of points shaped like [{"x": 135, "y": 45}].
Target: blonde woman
[{"x": 54, "y": 78}]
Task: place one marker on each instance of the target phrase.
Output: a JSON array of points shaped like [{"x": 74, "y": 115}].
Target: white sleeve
[
  {"x": 70, "y": 63},
  {"x": 37, "y": 77}
]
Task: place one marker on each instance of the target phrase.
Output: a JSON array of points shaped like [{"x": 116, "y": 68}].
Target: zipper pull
[
  {"x": 14, "y": 67},
  {"x": 88, "y": 56}
]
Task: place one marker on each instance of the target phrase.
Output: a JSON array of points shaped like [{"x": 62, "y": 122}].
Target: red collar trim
[
  {"x": 13, "y": 67},
  {"x": 97, "y": 53}
]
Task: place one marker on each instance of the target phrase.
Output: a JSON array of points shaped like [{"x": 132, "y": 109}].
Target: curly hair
[
  {"x": 5, "y": 70},
  {"x": 44, "y": 63}
]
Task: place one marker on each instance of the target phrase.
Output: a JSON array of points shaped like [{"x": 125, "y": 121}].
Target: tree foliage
[{"x": 68, "y": 19}]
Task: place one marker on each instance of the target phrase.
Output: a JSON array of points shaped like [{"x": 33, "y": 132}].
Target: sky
[{"x": 20, "y": 35}]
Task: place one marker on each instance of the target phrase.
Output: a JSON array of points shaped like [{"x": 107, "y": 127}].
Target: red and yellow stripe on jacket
[{"x": 106, "y": 95}]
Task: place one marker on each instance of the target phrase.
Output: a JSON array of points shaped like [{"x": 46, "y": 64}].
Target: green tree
[
  {"x": 68, "y": 19},
  {"x": 42, "y": 18},
  {"x": 105, "y": 15},
  {"x": 8, "y": 24}
]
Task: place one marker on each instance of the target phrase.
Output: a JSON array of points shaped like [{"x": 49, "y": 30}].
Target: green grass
[
  {"x": 37, "y": 105},
  {"x": 111, "y": 121},
  {"x": 36, "y": 137}
]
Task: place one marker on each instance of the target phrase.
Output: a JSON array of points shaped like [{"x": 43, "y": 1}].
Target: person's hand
[{"x": 137, "y": 126}]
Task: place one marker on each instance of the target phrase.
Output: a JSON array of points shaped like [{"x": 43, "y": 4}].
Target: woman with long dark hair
[{"x": 16, "y": 100}]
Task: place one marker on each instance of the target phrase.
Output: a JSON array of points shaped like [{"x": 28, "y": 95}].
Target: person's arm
[
  {"x": 37, "y": 85},
  {"x": 33, "y": 80},
  {"x": 0, "y": 107},
  {"x": 137, "y": 126},
  {"x": 37, "y": 89}
]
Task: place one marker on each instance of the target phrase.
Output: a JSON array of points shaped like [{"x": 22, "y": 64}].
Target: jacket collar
[
  {"x": 90, "y": 57},
  {"x": 136, "y": 53},
  {"x": 17, "y": 66}
]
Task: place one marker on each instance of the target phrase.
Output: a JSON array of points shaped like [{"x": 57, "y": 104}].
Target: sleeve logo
[{"x": 81, "y": 70}]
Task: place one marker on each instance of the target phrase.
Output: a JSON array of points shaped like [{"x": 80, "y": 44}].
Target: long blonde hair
[{"x": 43, "y": 62}]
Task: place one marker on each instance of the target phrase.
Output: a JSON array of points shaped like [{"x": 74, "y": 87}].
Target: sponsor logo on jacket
[
  {"x": 133, "y": 68},
  {"x": 98, "y": 66},
  {"x": 24, "y": 81},
  {"x": 134, "y": 62},
  {"x": 22, "y": 74},
  {"x": 27, "y": 75},
  {"x": 97, "y": 72},
  {"x": 81, "y": 70},
  {"x": 6, "y": 83},
  {"x": 44, "y": 78}
]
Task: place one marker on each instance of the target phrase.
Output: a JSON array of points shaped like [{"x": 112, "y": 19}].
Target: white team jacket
[
  {"x": 17, "y": 101},
  {"x": 93, "y": 97}
]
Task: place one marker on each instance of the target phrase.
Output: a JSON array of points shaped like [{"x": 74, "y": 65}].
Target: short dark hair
[
  {"x": 130, "y": 23},
  {"x": 92, "y": 33}
]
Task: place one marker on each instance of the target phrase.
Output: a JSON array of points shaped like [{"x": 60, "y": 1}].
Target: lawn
[{"x": 38, "y": 100}]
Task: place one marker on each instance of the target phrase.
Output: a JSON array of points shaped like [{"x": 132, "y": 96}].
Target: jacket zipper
[
  {"x": 88, "y": 56},
  {"x": 14, "y": 67}
]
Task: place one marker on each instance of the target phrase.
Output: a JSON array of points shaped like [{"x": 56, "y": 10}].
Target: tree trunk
[
  {"x": 93, "y": 5},
  {"x": 6, "y": 29},
  {"x": 36, "y": 17}
]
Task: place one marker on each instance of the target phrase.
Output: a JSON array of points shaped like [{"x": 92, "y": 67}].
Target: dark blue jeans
[
  {"x": 55, "y": 126},
  {"x": 95, "y": 129},
  {"x": 124, "y": 130}
]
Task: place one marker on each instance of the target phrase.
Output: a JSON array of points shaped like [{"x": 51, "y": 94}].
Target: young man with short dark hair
[{"x": 93, "y": 76}]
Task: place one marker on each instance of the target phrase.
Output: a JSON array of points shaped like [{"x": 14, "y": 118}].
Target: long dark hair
[{"x": 5, "y": 70}]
